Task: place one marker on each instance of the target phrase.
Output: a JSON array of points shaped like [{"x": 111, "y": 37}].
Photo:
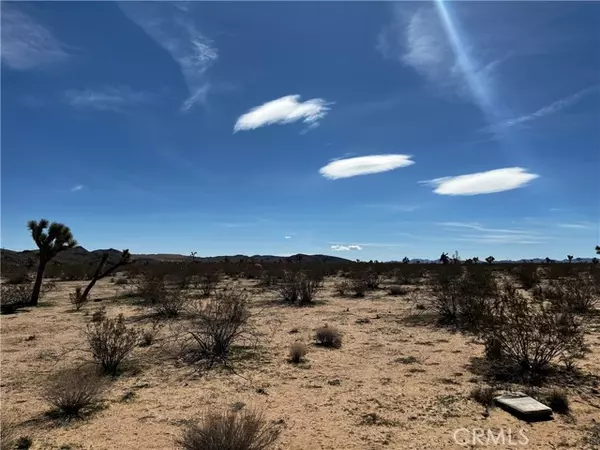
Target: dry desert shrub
[
  {"x": 8, "y": 434},
  {"x": 77, "y": 299},
  {"x": 327, "y": 336},
  {"x": 14, "y": 296},
  {"x": 297, "y": 352},
  {"x": 111, "y": 341},
  {"x": 217, "y": 324},
  {"x": 298, "y": 287},
  {"x": 398, "y": 290},
  {"x": 527, "y": 336},
  {"x": 483, "y": 395},
  {"x": 578, "y": 294},
  {"x": 244, "y": 430},
  {"x": 170, "y": 303},
  {"x": 73, "y": 391}
]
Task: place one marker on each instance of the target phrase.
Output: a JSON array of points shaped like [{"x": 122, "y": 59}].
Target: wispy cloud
[
  {"x": 26, "y": 44},
  {"x": 392, "y": 207},
  {"x": 547, "y": 110},
  {"x": 106, "y": 99},
  {"x": 283, "y": 110},
  {"x": 170, "y": 26},
  {"x": 346, "y": 248},
  {"x": 489, "y": 182},
  {"x": 579, "y": 226},
  {"x": 77, "y": 187},
  {"x": 429, "y": 41},
  {"x": 489, "y": 235},
  {"x": 287, "y": 237},
  {"x": 364, "y": 165}
]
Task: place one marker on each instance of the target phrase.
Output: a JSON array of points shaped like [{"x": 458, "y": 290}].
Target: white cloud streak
[
  {"x": 287, "y": 237},
  {"x": 106, "y": 99},
  {"x": 346, "y": 248},
  {"x": 489, "y": 182},
  {"x": 283, "y": 110},
  {"x": 27, "y": 44},
  {"x": 547, "y": 110},
  {"x": 364, "y": 165},
  {"x": 77, "y": 187},
  {"x": 578, "y": 226},
  {"x": 488, "y": 235},
  {"x": 170, "y": 27}
]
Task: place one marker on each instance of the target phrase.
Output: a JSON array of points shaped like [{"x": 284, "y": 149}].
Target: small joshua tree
[
  {"x": 490, "y": 259},
  {"x": 101, "y": 272},
  {"x": 405, "y": 260},
  {"x": 597, "y": 249},
  {"x": 57, "y": 239},
  {"x": 444, "y": 258},
  {"x": 570, "y": 258}
]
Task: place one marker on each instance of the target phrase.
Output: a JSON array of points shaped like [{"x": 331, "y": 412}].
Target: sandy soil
[{"x": 360, "y": 396}]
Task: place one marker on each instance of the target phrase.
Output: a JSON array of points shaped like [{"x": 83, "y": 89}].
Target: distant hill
[{"x": 79, "y": 255}]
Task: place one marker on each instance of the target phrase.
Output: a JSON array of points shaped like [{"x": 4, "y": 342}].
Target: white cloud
[
  {"x": 77, "y": 187},
  {"x": 364, "y": 165},
  {"x": 479, "y": 227},
  {"x": 487, "y": 235},
  {"x": 547, "y": 110},
  {"x": 287, "y": 237},
  {"x": 25, "y": 43},
  {"x": 345, "y": 248},
  {"x": 106, "y": 99},
  {"x": 489, "y": 182},
  {"x": 429, "y": 41},
  {"x": 578, "y": 226},
  {"x": 170, "y": 27},
  {"x": 283, "y": 110}
]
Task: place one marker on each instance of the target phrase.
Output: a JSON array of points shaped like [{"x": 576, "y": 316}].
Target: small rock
[
  {"x": 261, "y": 391},
  {"x": 335, "y": 382}
]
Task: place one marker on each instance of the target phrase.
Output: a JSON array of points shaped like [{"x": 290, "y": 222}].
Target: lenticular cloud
[{"x": 364, "y": 165}]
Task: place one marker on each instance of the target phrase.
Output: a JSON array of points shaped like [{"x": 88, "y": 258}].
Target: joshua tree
[
  {"x": 101, "y": 273},
  {"x": 548, "y": 260},
  {"x": 570, "y": 258},
  {"x": 57, "y": 239},
  {"x": 193, "y": 255},
  {"x": 595, "y": 261},
  {"x": 405, "y": 260},
  {"x": 444, "y": 258},
  {"x": 476, "y": 260},
  {"x": 597, "y": 249},
  {"x": 490, "y": 259}
]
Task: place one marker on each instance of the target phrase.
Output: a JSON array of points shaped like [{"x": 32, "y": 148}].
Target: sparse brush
[
  {"x": 298, "y": 287},
  {"x": 73, "y": 391},
  {"x": 111, "y": 342},
  {"x": 483, "y": 395},
  {"x": 358, "y": 287},
  {"x": 244, "y": 430},
  {"x": 297, "y": 352},
  {"x": 77, "y": 299},
  {"x": 529, "y": 335},
  {"x": 13, "y": 297},
  {"x": 217, "y": 324},
  {"x": 328, "y": 337},
  {"x": 558, "y": 400},
  {"x": 398, "y": 290},
  {"x": 148, "y": 336},
  {"x": 341, "y": 288},
  {"x": 171, "y": 303},
  {"x": 578, "y": 294},
  {"x": 8, "y": 434},
  {"x": 99, "y": 315}
]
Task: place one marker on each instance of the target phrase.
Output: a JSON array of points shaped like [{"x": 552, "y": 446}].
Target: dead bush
[
  {"x": 398, "y": 290},
  {"x": 13, "y": 297},
  {"x": 77, "y": 299},
  {"x": 151, "y": 287},
  {"x": 244, "y": 430},
  {"x": 528, "y": 275},
  {"x": 298, "y": 287},
  {"x": 483, "y": 395},
  {"x": 171, "y": 303},
  {"x": 208, "y": 283},
  {"x": 297, "y": 352},
  {"x": 217, "y": 324},
  {"x": 463, "y": 298},
  {"x": 578, "y": 294},
  {"x": 73, "y": 391},
  {"x": 558, "y": 400},
  {"x": 111, "y": 342},
  {"x": 529, "y": 335},
  {"x": 327, "y": 336},
  {"x": 341, "y": 288},
  {"x": 358, "y": 287}
]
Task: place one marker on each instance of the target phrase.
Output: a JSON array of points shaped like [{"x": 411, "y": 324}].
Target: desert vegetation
[{"x": 396, "y": 351}]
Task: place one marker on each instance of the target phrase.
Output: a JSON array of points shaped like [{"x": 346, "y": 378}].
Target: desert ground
[{"x": 397, "y": 381}]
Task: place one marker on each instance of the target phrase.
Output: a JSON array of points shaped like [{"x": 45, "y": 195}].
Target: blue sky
[{"x": 363, "y": 130}]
